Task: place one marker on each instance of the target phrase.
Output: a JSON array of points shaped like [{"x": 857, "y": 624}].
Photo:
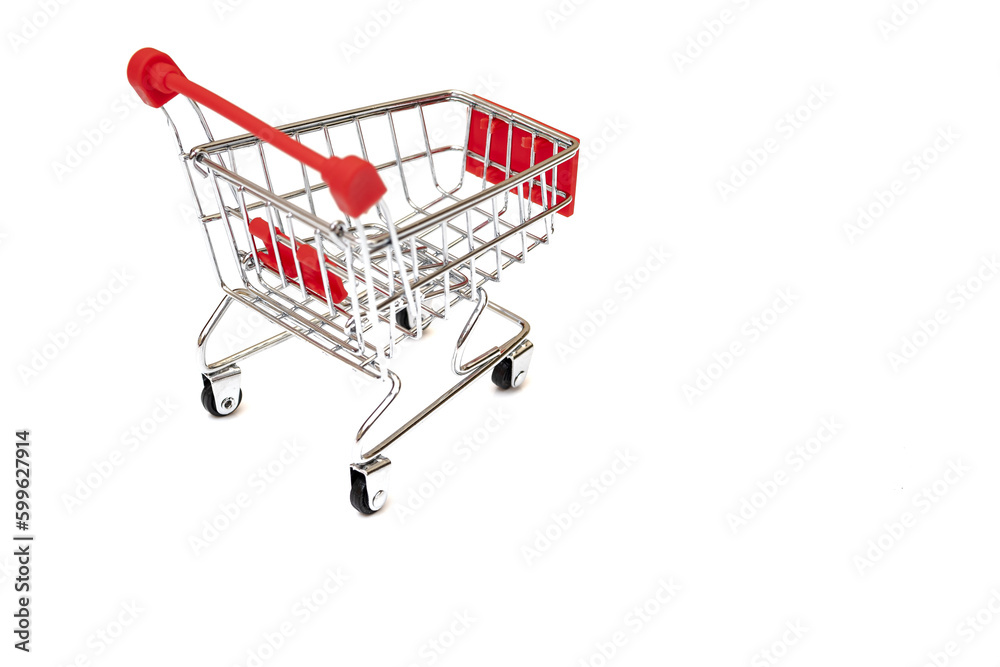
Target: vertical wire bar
[
  {"x": 211, "y": 251},
  {"x": 201, "y": 119},
  {"x": 394, "y": 306},
  {"x": 482, "y": 186},
  {"x": 305, "y": 181},
  {"x": 520, "y": 212},
  {"x": 496, "y": 233},
  {"x": 472, "y": 259},
  {"x": 353, "y": 293},
  {"x": 366, "y": 253},
  {"x": 329, "y": 141},
  {"x": 393, "y": 259},
  {"x": 412, "y": 302},
  {"x": 293, "y": 241},
  {"x": 555, "y": 179},
  {"x": 531, "y": 181},
  {"x": 232, "y": 161},
  {"x": 240, "y": 196},
  {"x": 321, "y": 254},
  {"x": 493, "y": 200},
  {"x": 444, "y": 262},
  {"x": 417, "y": 294},
  {"x": 224, "y": 217},
  {"x": 271, "y": 216},
  {"x": 398, "y": 252},
  {"x": 545, "y": 207},
  {"x": 370, "y": 305},
  {"x": 364, "y": 154},
  {"x": 544, "y": 195},
  {"x": 246, "y": 226},
  {"x": 429, "y": 152},
  {"x": 465, "y": 150},
  {"x": 427, "y": 145},
  {"x": 222, "y": 210},
  {"x": 399, "y": 159}
]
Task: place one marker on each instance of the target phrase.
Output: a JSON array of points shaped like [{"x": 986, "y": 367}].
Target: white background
[{"x": 659, "y": 135}]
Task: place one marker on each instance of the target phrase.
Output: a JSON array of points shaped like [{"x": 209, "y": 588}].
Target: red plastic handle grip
[{"x": 353, "y": 182}]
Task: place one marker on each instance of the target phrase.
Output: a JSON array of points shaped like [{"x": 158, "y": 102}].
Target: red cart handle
[{"x": 354, "y": 182}]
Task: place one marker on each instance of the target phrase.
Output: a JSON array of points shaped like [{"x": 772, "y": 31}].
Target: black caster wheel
[
  {"x": 359, "y": 493},
  {"x": 208, "y": 401},
  {"x": 374, "y": 472},
  {"x": 403, "y": 319},
  {"x": 503, "y": 372}
]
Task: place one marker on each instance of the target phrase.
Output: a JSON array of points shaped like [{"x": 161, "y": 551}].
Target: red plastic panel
[
  {"x": 308, "y": 260},
  {"x": 520, "y": 158}
]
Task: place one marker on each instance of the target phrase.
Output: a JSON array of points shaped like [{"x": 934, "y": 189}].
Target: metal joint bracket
[
  {"x": 225, "y": 388},
  {"x": 520, "y": 360},
  {"x": 376, "y": 474}
]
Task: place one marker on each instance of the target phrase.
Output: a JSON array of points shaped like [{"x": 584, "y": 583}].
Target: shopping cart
[{"x": 479, "y": 185}]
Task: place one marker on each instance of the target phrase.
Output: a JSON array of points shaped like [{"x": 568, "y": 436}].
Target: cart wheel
[
  {"x": 512, "y": 371},
  {"x": 369, "y": 482},
  {"x": 208, "y": 401},
  {"x": 403, "y": 319},
  {"x": 503, "y": 373},
  {"x": 359, "y": 493}
]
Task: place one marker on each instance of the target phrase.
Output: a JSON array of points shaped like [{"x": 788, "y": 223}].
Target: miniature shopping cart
[{"x": 299, "y": 229}]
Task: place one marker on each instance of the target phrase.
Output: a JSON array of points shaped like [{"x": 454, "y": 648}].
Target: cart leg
[
  {"x": 369, "y": 479},
  {"x": 221, "y": 393}
]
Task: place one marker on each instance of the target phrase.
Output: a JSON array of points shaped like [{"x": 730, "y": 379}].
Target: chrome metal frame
[{"x": 441, "y": 251}]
